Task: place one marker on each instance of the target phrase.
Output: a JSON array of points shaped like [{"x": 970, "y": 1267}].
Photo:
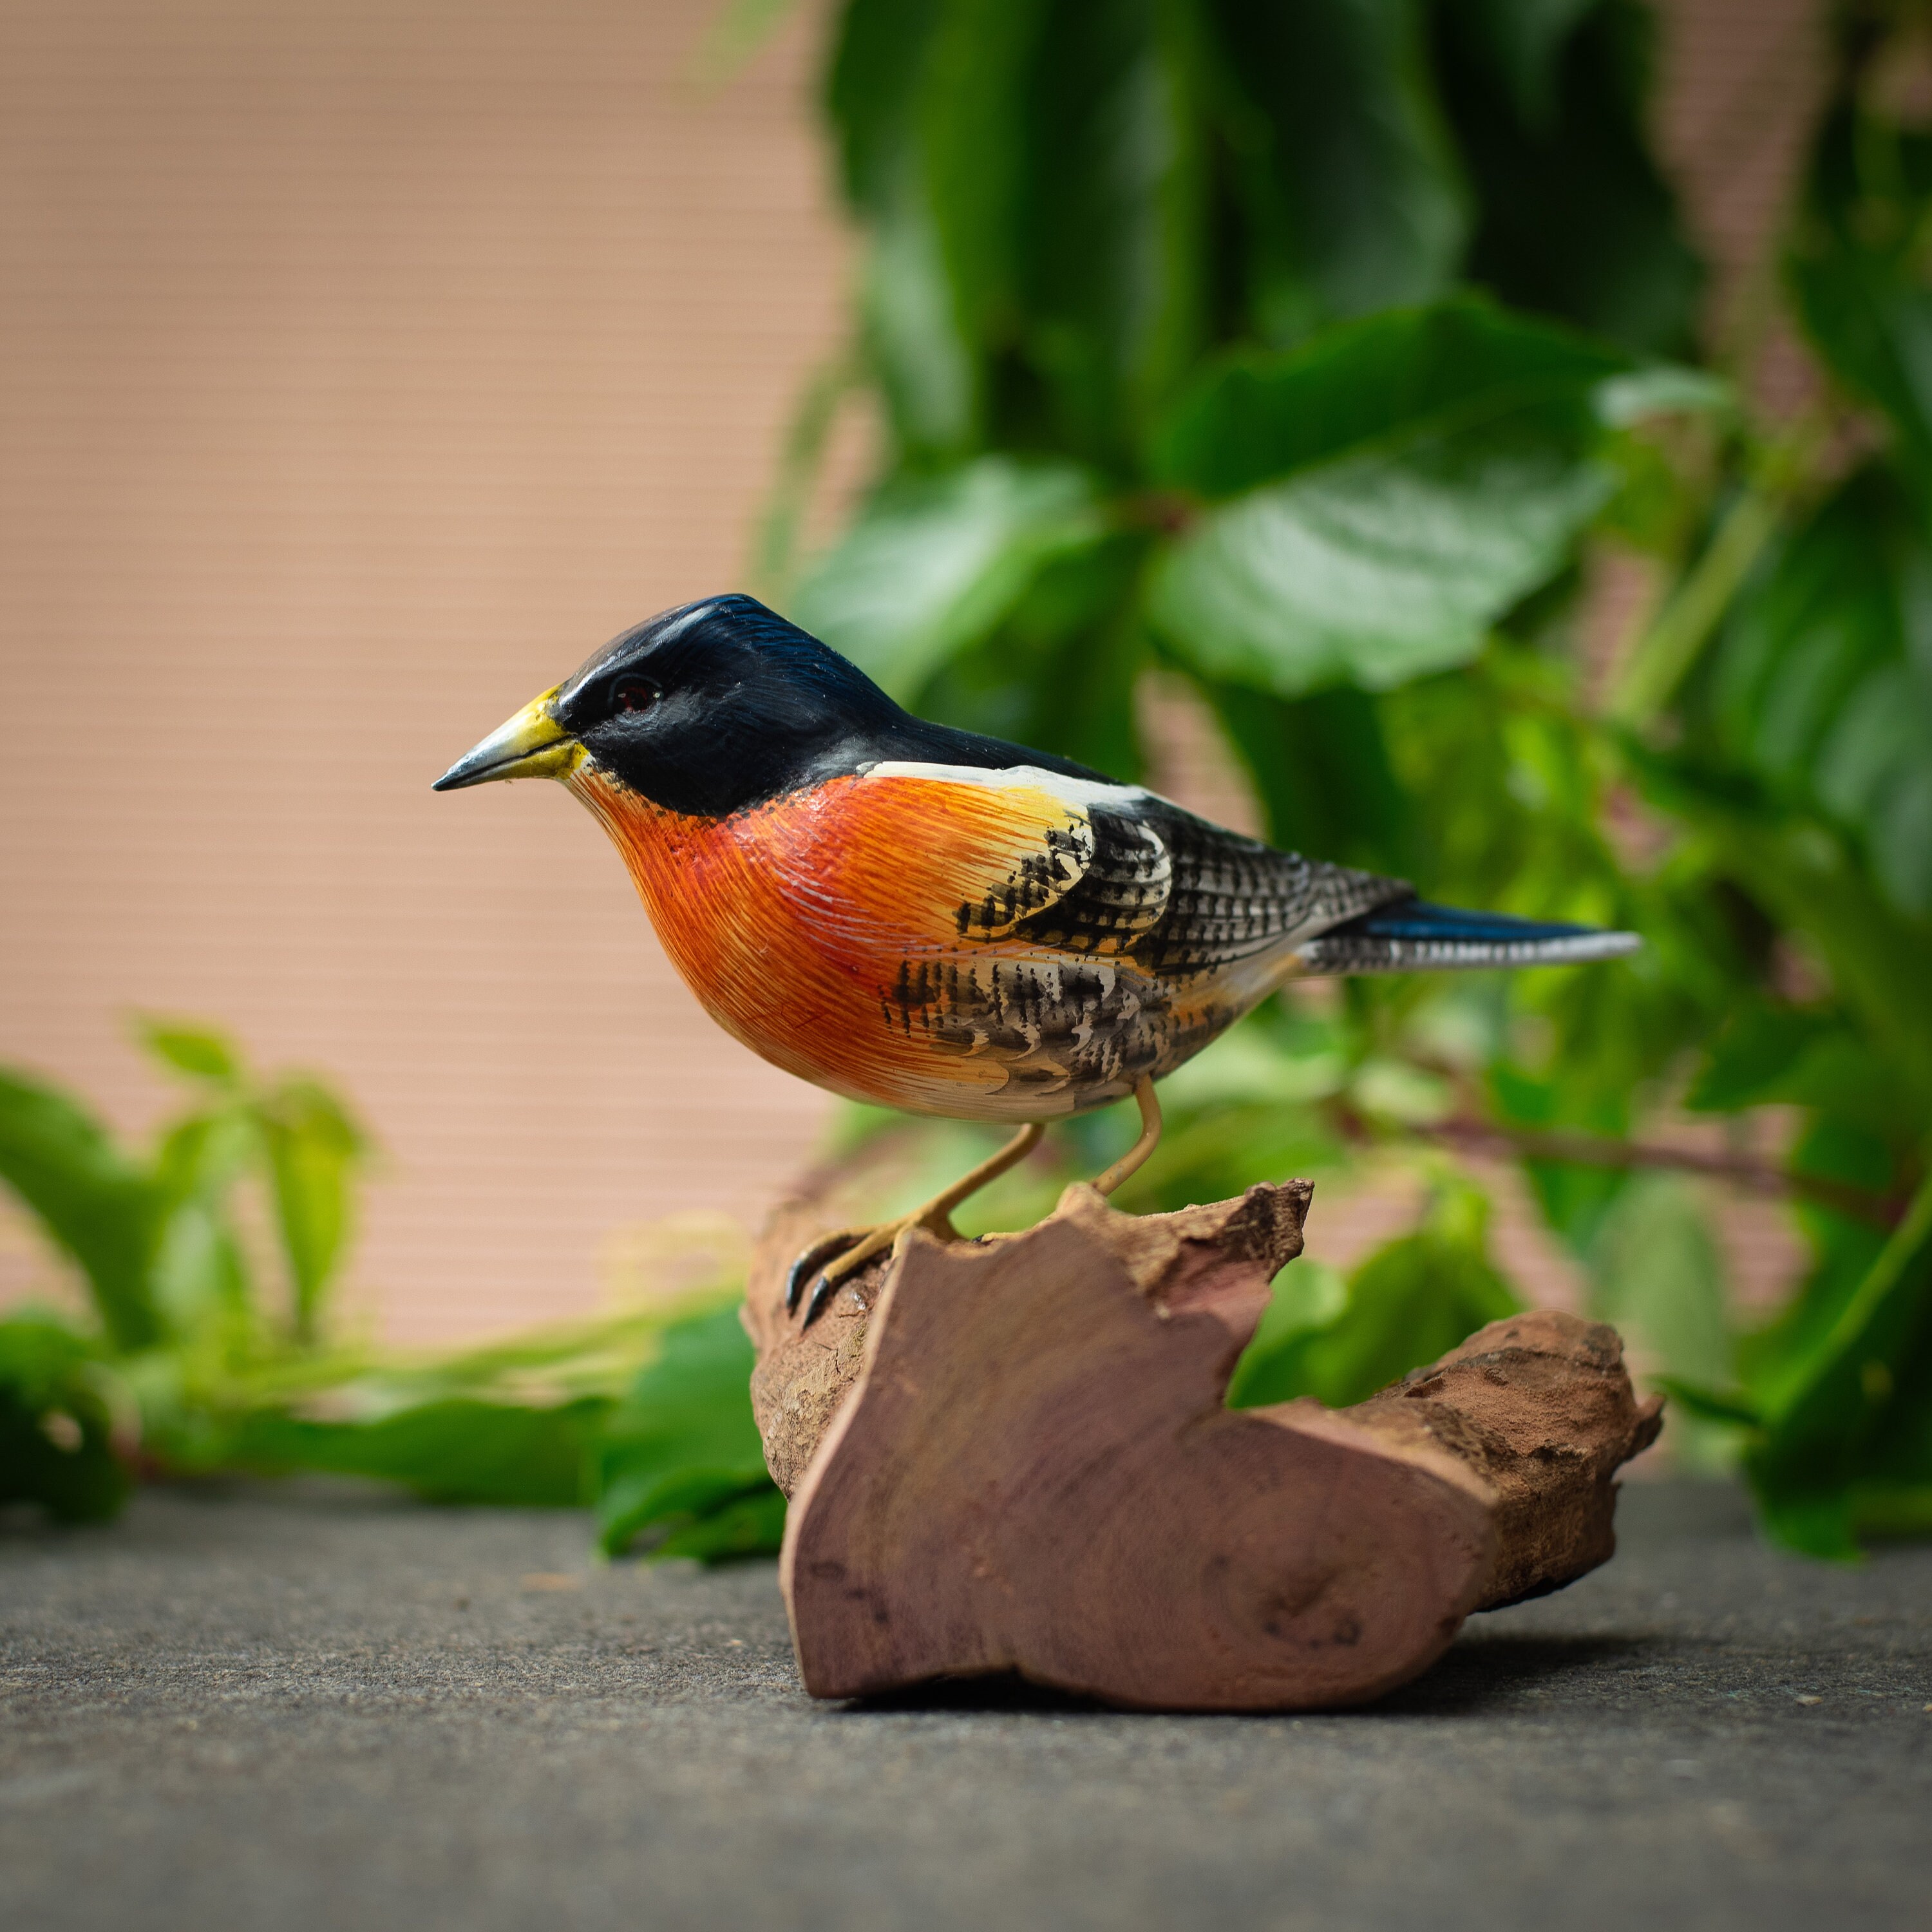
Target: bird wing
[
  {"x": 1034, "y": 856},
  {"x": 1234, "y": 898},
  {"x": 1102, "y": 870},
  {"x": 1102, "y": 885}
]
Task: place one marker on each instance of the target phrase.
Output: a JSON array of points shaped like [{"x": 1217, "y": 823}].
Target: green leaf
[
  {"x": 1431, "y": 468},
  {"x": 1255, "y": 417},
  {"x": 1548, "y": 100},
  {"x": 1213, "y": 1153},
  {"x": 1379, "y": 568},
  {"x": 911, "y": 324},
  {"x": 751, "y": 1525},
  {"x": 90, "y": 1199},
  {"x": 971, "y": 109},
  {"x": 1755, "y": 1056},
  {"x": 1410, "y": 1301},
  {"x": 200, "y": 1052},
  {"x": 1893, "y": 1494},
  {"x": 1803, "y": 879},
  {"x": 55, "y": 1449},
  {"x": 1781, "y": 1056},
  {"x": 1884, "y": 1511},
  {"x": 1820, "y": 1436},
  {"x": 1322, "y": 768},
  {"x": 201, "y": 1155},
  {"x": 202, "y": 1285},
  {"x": 1348, "y": 195},
  {"x": 1576, "y": 1199},
  {"x": 1821, "y": 682},
  {"x": 1112, "y": 220},
  {"x": 681, "y": 1455},
  {"x": 926, "y": 369},
  {"x": 1664, "y": 389},
  {"x": 1730, "y": 1407},
  {"x": 1658, "y": 1276},
  {"x": 934, "y": 564},
  {"x": 1058, "y": 672},
  {"x": 1523, "y": 42},
  {"x": 1813, "y": 1521},
  {"x": 1857, "y": 268},
  {"x": 878, "y": 50},
  {"x": 313, "y": 1148},
  {"x": 1776, "y": 1361},
  {"x": 459, "y": 1450}
]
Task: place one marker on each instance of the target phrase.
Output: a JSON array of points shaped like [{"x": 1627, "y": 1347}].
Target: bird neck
[
  {"x": 657, "y": 844},
  {"x": 716, "y": 891}
]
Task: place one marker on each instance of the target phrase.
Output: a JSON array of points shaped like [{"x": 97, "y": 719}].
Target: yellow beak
[{"x": 532, "y": 745}]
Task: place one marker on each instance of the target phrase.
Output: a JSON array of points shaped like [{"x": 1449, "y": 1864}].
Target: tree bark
[{"x": 1013, "y": 1455}]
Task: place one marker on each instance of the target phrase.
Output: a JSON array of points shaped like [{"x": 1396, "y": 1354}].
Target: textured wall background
[{"x": 363, "y": 365}]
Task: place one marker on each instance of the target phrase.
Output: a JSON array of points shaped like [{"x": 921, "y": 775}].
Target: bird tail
[{"x": 1412, "y": 936}]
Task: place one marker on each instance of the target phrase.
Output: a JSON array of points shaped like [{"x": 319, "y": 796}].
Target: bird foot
[{"x": 834, "y": 1258}]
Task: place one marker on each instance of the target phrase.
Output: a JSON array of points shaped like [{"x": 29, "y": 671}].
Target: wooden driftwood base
[{"x": 1013, "y": 1456}]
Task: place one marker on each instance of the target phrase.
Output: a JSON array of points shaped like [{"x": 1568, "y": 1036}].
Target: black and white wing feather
[
  {"x": 1115, "y": 873},
  {"x": 1134, "y": 877}
]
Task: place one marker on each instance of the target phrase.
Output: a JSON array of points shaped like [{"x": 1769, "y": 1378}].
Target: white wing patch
[
  {"x": 1098, "y": 881},
  {"x": 1079, "y": 794}
]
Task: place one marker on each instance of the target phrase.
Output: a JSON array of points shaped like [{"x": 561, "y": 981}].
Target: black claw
[
  {"x": 826, "y": 1249},
  {"x": 822, "y": 1290},
  {"x": 795, "y": 1281}
]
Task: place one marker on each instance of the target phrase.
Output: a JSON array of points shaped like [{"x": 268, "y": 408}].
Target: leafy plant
[
  {"x": 55, "y": 1439},
  {"x": 1409, "y": 1302},
  {"x": 679, "y": 1455},
  {"x": 1307, "y": 356},
  {"x": 176, "y": 1278},
  {"x": 209, "y": 1257}
]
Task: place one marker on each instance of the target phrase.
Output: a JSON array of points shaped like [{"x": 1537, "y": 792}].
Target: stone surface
[{"x": 322, "y": 1709}]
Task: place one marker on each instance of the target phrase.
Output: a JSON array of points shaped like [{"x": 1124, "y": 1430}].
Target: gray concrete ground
[{"x": 321, "y": 1708}]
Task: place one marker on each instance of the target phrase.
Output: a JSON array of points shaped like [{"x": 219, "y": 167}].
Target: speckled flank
[
  {"x": 972, "y": 950},
  {"x": 1012, "y": 945},
  {"x": 1060, "y": 1030}
]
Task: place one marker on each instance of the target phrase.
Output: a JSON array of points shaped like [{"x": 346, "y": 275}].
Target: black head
[
  {"x": 717, "y": 706},
  {"x": 707, "y": 708}
]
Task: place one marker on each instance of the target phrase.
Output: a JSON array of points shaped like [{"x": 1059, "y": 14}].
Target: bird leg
[
  {"x": 836, "y": 1257},
  {"x": 1136, "y": 1156}
]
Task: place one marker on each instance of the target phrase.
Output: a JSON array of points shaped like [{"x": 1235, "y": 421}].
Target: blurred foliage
[
  {"x": 56, "y": 1445},
  {"x": 208, "y": 1258},
  {"x": 1409, "y": 1302},
  {"x": 1309, "y": 356}
]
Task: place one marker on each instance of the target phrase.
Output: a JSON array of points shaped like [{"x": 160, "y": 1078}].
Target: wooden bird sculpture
[{"x": 938, "y": 921}]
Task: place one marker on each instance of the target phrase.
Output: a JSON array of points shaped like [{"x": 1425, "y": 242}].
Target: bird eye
[{"x": 635, "y": 694}]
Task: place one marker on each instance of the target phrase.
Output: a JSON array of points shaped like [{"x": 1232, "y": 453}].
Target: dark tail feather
[{"x": 1412, "y": 936}]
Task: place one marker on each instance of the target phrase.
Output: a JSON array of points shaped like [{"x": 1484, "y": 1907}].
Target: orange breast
[{"x": 800, "y": 924}]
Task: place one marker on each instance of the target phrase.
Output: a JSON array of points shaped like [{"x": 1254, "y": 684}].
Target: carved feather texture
[{"x": 1010, "y": 945}]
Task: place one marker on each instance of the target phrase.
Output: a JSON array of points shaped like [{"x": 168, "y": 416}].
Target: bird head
[{"x": 704, "y": 709}]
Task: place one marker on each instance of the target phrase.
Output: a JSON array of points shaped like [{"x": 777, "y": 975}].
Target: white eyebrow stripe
[
  {"x": 678, "y": 626},
  {"x": 1079, "y": 792}
]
